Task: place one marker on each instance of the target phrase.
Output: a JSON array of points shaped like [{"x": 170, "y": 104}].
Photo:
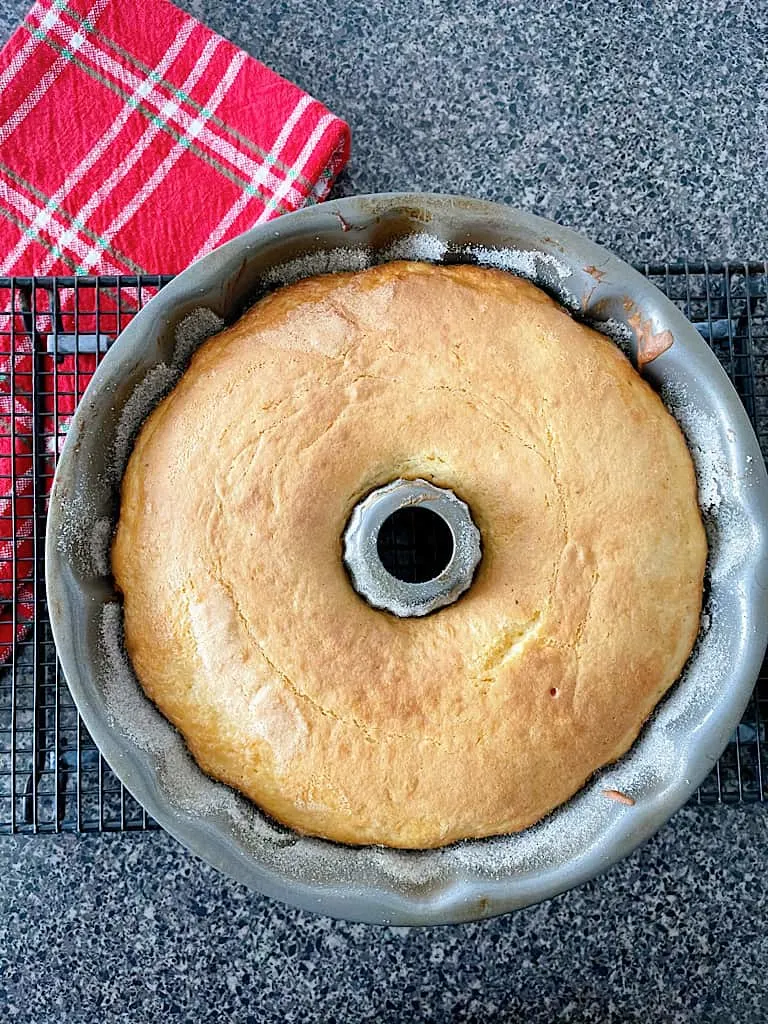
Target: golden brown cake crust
[{"x": 341, "y": 720}]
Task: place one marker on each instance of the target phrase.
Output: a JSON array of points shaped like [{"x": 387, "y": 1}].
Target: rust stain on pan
[
  {"x": 600, "y": 309},
  {"x": 595, "y": 272},
  {"x": 619, "y": 797},
  {"x": 650, "y": 344},
  {"x": 343, "y": 222},
  {"x": 597, "y": 276}
]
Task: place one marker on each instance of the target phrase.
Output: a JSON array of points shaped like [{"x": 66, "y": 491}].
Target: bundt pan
[{"x": 478, "y": 878}]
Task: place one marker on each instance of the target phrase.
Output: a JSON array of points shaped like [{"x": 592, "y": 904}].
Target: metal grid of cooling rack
[{"x": 53, "y": 331}]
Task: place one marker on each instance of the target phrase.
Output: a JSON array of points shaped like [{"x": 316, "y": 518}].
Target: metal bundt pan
[{"x": 478, "y": 878}]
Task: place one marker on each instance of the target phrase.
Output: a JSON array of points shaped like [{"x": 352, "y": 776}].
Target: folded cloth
[{"x": 133, "y": 140}]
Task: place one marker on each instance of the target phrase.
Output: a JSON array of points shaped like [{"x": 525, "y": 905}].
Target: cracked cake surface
[{"x": 341, "y": 720}]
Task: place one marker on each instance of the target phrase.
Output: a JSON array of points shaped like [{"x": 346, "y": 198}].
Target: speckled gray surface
[
  {"x": 646, "y": 127},
  {"x": 132, "y": 929}
]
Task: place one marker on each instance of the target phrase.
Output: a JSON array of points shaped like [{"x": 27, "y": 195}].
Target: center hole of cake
[{"x": 415, "y": 544}]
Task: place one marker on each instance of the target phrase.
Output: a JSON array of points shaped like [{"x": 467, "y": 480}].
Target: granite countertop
[
  {"x": 647, "y": 130},
  {"x": 134, "y": 929}
]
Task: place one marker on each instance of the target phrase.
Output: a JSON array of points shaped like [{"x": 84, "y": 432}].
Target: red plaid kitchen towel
[{"x": 132, "y": 140}]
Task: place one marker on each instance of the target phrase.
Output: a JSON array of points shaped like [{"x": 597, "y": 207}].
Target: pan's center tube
[{"x": 411, "y": 547}]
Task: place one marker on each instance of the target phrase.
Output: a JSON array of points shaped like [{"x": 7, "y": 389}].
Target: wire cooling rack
[{"x": 53, "y": 331}]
